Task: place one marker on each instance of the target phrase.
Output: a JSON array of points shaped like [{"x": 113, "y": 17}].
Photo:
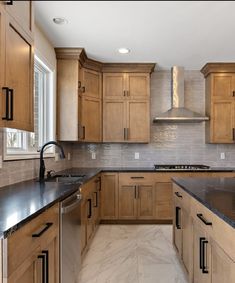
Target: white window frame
[{"x": 48, "y": 123}]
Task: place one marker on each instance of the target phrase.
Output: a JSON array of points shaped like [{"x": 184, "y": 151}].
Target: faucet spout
[{"x": 42, "y": 163}]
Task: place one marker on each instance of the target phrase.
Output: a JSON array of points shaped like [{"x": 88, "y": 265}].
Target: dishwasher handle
[{"x": 71, "y": 206}]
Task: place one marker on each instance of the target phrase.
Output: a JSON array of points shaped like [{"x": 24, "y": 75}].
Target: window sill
[{"x": 26, "y": 156}]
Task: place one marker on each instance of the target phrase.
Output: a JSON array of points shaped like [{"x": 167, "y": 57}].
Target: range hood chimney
[{"x": 178, "y": 113}]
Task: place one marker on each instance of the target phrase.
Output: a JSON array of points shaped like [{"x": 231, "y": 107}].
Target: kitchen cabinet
[
  {"x": 136, "y": 196},
  {"x": 17, "y": 85},
  {"x": 163, "y": 200},
  {"x": 109, "y": 196},
  {"x": 127, "y": 106},
  {"x": 126, "y": 85},
  {"x": 220, "y": 102},
  {"x": 33, "y": 250},
  {"x": 90, "y": 212},
  {"x": 79, "y": 107}
]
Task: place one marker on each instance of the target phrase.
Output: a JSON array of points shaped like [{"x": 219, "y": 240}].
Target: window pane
[{"x": 14, "y": 139}]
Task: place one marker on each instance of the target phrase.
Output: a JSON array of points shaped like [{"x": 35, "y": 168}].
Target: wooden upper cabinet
[
  {"x": 223, "y": 86},
  {"x": 22, "y": 12},
  {"x": 223, "y": 122},
  {"x": 114, "y": 120},
  {"x": 138, "y": 121},
  {"x": 19, "y": 77},
  {"x": 91, "y": 119},
  {"x": 137, "y": 85},
  {"x": 91, "y": 83},
  {"x": 114, "y": 85},
  {"x": 220, "y": 101}
]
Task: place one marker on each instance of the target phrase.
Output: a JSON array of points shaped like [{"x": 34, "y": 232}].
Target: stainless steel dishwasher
[{"x": 70, "y": 246}]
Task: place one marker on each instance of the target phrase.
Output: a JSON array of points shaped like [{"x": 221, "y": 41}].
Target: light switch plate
[
  {"x": 93, "y": 155},
  {"x": 69, "y": 155},
  {"x": 0, "y": 161},
  {"x": 137, "y": 155}
]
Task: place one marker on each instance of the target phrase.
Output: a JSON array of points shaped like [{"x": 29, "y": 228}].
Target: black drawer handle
[
  {"x": 89, "y": 209},
  {"x": 6, "y": 117},
  {"x": 177, "y": 211},
  {"x": 202, "y": 248},
  {"x": 137, "y": 177},
  {"x": 9, "y": 2},
  {"x": 42, "y": 230},
  {"x": 178, "y": 194},
  {"x": 200, "y": 216}
]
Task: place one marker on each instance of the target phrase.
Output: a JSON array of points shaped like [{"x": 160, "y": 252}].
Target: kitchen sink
[{"x": 66, "y": 178}]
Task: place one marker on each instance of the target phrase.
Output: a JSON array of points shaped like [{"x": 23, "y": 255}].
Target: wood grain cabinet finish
[
  {"x": 220, "y": 102},
  {"x": 109, "y": 196},
  {"x": 26, "y": 255},
  {"x": 126, "y": 104},
  {"x": 17, "y": 87},
  {"x": 163, "y": 200}
]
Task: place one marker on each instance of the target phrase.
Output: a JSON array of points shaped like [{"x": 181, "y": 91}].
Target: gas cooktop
[{"x": 183, "y": 167}]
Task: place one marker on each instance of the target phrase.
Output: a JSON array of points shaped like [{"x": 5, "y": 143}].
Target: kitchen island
[{"x": 203, "y": 225}]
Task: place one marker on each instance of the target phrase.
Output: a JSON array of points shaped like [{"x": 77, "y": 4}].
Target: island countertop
[{"x": 217, "y": 194}]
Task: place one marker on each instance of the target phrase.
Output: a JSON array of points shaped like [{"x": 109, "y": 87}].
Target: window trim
[{"x": 22, "y": 155}]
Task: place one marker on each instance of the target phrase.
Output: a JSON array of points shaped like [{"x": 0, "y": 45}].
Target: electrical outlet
[
  {"x": 93, "y": 155},
  {"x": 69, "y": 156},
  {"x": 222, "y": 155},
  {"x": 137, "y": 155},
  {"x": 0, "y": 161}
]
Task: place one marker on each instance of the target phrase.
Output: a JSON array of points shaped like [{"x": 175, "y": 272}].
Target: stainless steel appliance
[
  {"x": 182, "y": 167},
  {"x": 70, "y": 247}
]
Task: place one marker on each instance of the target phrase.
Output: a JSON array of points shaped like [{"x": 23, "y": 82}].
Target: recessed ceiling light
[
  {"x": 60, "y": 21},
  {"x": 124, "y": 50}
]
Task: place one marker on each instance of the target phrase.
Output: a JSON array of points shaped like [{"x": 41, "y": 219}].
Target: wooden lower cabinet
[
  {"x": 109, "y": 196},
  {"x": 163, "y": 200},
  {"x": 127, "y": 202},
  {"x": 34, "y": 259},
  {"x": 145, "y": 203}
]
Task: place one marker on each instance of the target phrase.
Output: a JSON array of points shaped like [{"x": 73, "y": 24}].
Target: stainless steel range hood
[{"x": 178, "y": 113}]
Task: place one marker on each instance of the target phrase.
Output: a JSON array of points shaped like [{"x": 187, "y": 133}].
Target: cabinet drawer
[
  {"x": 135, "y": 178},
  {"x": 22, "y": 242},
  {"x": 182, "y": 197}
]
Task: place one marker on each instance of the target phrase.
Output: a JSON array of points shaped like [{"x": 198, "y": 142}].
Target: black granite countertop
[
  {"x": 217, "y": 194},
  {"x": 21, "y": 202}
]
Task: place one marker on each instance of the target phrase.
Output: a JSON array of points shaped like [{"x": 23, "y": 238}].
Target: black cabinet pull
[
  {"x": 43, "y": 258},
  {"x": 178, "y": 195},
  {"x": 200, "y": 216},
  {"x": 96, "y": 199},
  {"x": 89, "y": 209},
  {"x": 79, "y": 84},
  {"x": 203, "y": 243},
  {"x": 233, "y": 93},
  {"x": 137, "y": 177},
  {"x": 46, "y": 253},
  {"x": 11, "y": 95},
  {"x": 83, "y": 89},
  {"x": 9, "y": 2},
  {"x": 42, "y": 230},
  {"x": 84, "y": 132},
  {"x": 233, "y": 134},
  {"x": 177, "y": 211},
  {"x": 6, "y": 117},
  {"x": 200, "y": 252}
]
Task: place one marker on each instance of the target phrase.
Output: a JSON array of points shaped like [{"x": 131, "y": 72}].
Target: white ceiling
[{"x": 187, "y": 33}]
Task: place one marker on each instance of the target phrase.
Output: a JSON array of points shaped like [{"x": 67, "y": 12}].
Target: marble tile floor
[{"x": 132, "y": 254}]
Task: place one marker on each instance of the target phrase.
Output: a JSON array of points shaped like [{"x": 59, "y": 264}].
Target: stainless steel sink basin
[{"x": 66, "y": 178}]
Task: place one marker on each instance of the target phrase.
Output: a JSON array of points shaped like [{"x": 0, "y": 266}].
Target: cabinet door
[
  {"x": 19, "y": 77},
  {"x": 145, "y": 196},
  {"x": 2, "y": 67},
  {"x": 30, "y": 271},
  {"x": 127, "y": 206},
  {"x": 163, "y": 200},
  {"x": 109, "y": 196},
  {"x": 222, "y": 86},
  {"x": 138, "y": 85},
  {"x": 91, "y": 83},
  {"x": 223, "y": 267},
  {"x": 52, "y": 251},
  {"x": 201, "y": 256},
  {"x": 22, "y": 12},
  {"x": 91, "y": 119},
  {"x": 187, "y": 240},
  {"x": 177, "y": 228},
  {"x": 114, "y": 86},
  {"x": 96, "y": 205},
  {"x": 223, "y": 122},
  {"x": 138, "y": 121},
  {"x": 114, "y": 120}
]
